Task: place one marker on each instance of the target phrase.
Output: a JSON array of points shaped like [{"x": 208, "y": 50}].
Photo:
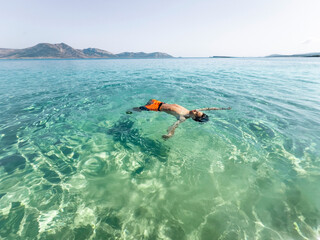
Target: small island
[
  {"x": 221, "y": 57},
  {"x": 317, "y": 54}
]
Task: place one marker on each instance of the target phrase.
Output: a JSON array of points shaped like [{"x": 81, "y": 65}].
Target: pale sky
[{"x": 187, "y": 28}]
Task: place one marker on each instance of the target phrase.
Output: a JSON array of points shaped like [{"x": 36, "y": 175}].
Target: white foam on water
[
  {"x": 296, "y": 227},
  {"x": 45, "y": 220},
  {"x": 85, "y": 216},
  {"x": 295, "y": 161},
  {"x": 76, "y": 182},
  {"x": 5, "y": 209},
  {"x": 216, "y": 166}
]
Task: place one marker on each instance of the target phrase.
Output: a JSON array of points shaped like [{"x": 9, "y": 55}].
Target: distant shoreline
[
  {"x": 295, "y": 55},
  {"x": 222, "y": 57},
  {"x": 64, "y": 51},
  {"x": 267, "y": 57}
]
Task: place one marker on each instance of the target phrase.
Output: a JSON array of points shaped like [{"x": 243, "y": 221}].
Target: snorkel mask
[{"x": 204, "y": 118}]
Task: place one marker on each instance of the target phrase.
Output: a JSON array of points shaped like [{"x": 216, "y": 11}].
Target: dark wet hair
[{"x": 203, "y": 118}]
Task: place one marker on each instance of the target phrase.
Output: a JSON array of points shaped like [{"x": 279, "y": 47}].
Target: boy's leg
[
  {"x": 137, "y": 109},
  {"x": 142, "y": 108}
]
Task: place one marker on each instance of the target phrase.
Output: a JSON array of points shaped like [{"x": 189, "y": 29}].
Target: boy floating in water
[{"x": 176, "y": 110}]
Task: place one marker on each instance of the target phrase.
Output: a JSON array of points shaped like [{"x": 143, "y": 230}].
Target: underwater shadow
[{"x": 124, "y": 133}]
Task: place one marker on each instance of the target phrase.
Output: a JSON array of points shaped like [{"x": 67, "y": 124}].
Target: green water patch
[
  {"x": 51, "y": 197},
  {"x": 2, "y": 194},
  {"x": 83, "y": 232},
  {"x": 10, "y": 224},
  {"x": 261, "y": 131},
  {"x": 50, "y": 175},
  {"x": 109, "y": 217},
  {"x": 12, "y": 162},
  {"x": 129, "y": 137},
  {"x": 9, "y": 135},
  {"x": 31, "y": 226}
]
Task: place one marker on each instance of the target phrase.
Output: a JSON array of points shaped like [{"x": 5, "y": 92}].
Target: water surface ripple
[{"x": 73, "y": 165}]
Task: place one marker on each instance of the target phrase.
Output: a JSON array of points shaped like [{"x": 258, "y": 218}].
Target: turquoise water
[{"x": 73, "y": 165}]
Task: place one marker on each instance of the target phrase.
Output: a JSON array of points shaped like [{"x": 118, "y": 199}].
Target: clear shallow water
[{"x": 73, "y": 165}]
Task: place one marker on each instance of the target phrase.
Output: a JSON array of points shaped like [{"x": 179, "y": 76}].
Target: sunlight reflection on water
[{"x": 74, "y": 166}]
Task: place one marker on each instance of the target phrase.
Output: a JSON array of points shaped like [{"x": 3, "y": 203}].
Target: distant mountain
[
  {"x": 6, "y": 51},
  {"x": 98, "y": 53},
  {"x": 143, "y": 55},
  {"x": 297, "y": 55},
  {"x": 62, "y": 50},
  {"x": 44, "y": 50}
]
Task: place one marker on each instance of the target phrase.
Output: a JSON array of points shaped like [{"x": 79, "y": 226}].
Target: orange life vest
[{"x": 155, "y": 105}]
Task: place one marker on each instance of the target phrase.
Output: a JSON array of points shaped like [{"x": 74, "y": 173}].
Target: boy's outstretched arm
[
  {"x": 213, "y": 108},
  {"x": 172, "y": 128}
]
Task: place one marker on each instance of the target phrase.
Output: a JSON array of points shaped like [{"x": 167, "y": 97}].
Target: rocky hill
[
  {"x": 98, "y": 53},
  {"x": 62, "y": 50},
  {"x": 143, "y": 55}
]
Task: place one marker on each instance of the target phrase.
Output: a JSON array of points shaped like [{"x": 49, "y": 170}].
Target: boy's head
[{"x": 199, "y": 116}]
